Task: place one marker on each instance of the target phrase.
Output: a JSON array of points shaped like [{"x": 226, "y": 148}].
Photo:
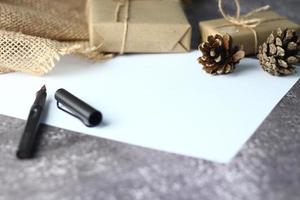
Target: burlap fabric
[{"x": 35, "y": 33}]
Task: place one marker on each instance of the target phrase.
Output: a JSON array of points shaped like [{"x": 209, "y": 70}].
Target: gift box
[
  {"x": 246, "y": 36},
  {"x": 138, "y": 26}
]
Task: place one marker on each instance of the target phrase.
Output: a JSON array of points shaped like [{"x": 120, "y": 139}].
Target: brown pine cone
[
  {"x": 279, "y": 52},
  {"x": 218, "y": 55}
]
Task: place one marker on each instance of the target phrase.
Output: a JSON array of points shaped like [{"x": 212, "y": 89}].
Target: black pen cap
[{"x": 78, "y": 108}]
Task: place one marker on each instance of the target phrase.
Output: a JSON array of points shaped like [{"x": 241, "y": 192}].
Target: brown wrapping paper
[
  {"x": 245, "y": 36},
  {"x": 153, "y": 26}
]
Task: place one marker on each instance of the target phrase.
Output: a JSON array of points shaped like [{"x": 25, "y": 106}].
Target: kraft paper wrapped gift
[
  {"x": 245, "y": 36},
  {"x": 152, "y": 26}
]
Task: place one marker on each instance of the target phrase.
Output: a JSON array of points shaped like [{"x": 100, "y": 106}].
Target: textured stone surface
[{"x": 71, "y": 166}]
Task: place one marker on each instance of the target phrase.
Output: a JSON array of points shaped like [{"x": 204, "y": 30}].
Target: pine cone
[
  {"x": 279, "y": 52},
  {"x": 218, "y": 55}
]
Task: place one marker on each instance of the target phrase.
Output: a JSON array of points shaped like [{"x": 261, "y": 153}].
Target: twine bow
[
  {"x": 126, "y": 5},
  {"x": 245, "y": 20}
]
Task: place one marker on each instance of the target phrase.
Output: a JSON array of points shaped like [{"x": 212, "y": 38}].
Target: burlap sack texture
[{"x": 34, "y": 33}]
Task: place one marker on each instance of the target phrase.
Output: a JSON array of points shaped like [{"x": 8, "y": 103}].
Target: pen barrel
[
  {"x": 86, "y": 113},
  {"x": 28, "y": 140}
]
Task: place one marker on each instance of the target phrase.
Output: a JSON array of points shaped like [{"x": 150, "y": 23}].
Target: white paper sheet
[{"x": 165, "y": 102}]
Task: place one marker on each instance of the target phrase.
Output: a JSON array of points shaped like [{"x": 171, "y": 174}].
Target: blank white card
[{"x": 160, "y": 101}]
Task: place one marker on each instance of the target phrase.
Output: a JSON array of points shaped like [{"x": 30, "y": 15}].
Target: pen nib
[{"x": 43, "y": 88}]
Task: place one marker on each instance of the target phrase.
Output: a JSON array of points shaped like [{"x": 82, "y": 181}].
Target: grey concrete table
[{"x": 71, "y": 165}]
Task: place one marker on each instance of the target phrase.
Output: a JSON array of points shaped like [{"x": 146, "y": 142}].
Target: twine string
[
  {"x": 245, "y": 20},
  {"x": 126, "y": 5}
]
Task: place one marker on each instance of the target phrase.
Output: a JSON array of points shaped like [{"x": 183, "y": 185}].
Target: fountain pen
[{"x": 27, "y": 145}]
